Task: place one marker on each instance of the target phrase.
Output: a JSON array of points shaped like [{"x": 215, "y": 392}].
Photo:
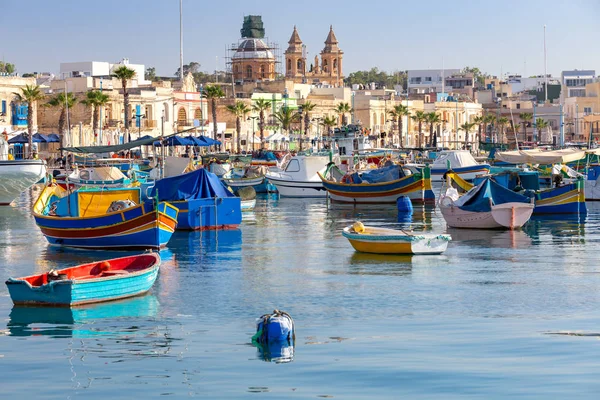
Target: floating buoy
[
  {"x": 358, "y": 227},
  {"x": 246, "y": 193},
  {"x": 275, "y": 327},
  {"x": 404, "y": 205}
]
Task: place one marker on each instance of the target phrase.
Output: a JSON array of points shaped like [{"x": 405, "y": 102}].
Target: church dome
[{"x": 253, "y": 49}]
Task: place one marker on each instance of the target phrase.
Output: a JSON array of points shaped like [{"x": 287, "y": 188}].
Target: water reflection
[
  {"x": 100, "y": 319},
  {"x": 277, "y": 352},
  {"x": 570, "y": 227},
  {"x": 506, "y": 239},
  {"x": 194, "y": 242}
]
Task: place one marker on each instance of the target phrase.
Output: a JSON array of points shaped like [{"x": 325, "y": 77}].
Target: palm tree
[
  {"x": 307, "y": 108},
  {"x": 397, "y": 112},
  {"x": 30, "y": 94},
  {"x": 489, "y": 120},
  {"x": 239, "y": 109},
  {"x": 419, "y": 118},
  {"x": 479, "y": 120},
  {"x": 214, "y": 92},
  {"x": 432, "y": 119},
  {"x": 329, "y": 122},
  {"x": 125, "y": 74},
  {"x": 342, "y": 109},
  {"x": 467, "y": 126},
  {"x": 64, "y": 102},
  {"x": 260, "y": 106},
  {"x": 539, "y": 125},
  {"x": 502, "y": 122},
  {"x": 525, "y": 118},
  {"x": 95, "y": 99},
  {"x": 286, "y": 117}
]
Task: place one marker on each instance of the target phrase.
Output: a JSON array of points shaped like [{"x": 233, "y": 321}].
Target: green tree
[
  {"x": 59, "y": 101},
  {"x": 150, "y": 74},
  {"x": 125, "y": 74},
  {"x": 432, "y": 119},
  {"x": 380, "y": 78},
  {"x": 419, "y": 118},
  {"x": 467, "y": 126},
  {"x": 539, "y": 125},
  {"x": 342, "y": 109},
  {"x": 213, "y": 93},
  {"x": 329, "y": 122},
  {"x": 478, "y": 76},
  {"x": 30, "y": 94},
  {"x": 502, "y": 122},
  {"x": 479, "y": 120},
  {"x": 397, "y": 112},
  {"x": 239, "y": 109},
  {"x": 95, "y": 99},
  {"x": 307, "y": 108},
  {"x": 489, "y": 121},
  {"x": 525, "y": 119},
  {"x": 260, "y": 106},
  {"x": 193, "y": 67},
  {"x": 286, "y": 117}
]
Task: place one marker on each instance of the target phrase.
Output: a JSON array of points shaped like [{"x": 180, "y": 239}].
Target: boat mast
[
  {"x": 545, "y": 70},
  {"x": 181, "y": 41}
]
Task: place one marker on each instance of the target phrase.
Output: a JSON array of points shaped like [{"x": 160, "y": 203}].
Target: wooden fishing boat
[
  {"x": 203, "y": 201},
  {"x": 485, "y": 206},
  {"x": 97, "y": 218},
  {"x": 417, "y": 187},
  {"x": 87, "y": 283},
  {"x": 390, "y": 241},
  {"x": 93, "y": 176}
]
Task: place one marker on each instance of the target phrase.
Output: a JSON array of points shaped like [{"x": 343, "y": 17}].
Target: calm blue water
[{"x": 476, "y": 322}]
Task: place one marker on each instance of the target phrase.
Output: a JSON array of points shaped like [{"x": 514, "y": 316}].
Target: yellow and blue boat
[
  {"x": 96, "y": 218},
  {"x": 390, "y": 241},
  {"x": 389, "y": 184},
  {"x": 94, "y": 282}
]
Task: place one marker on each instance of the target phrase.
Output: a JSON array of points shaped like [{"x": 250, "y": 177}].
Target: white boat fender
[{"x": 275, "y": 327}]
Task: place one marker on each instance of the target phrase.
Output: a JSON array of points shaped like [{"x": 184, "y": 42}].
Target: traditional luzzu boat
[
  {"x": 568, "y": 194},
  {"x": 383, "y": 185},
  {"x": 390, "y": 241},
  {"x": 485, "y": 206},
  {"x": 93, "y": 176},
  {"x": 88, "y": 283},
  {"x": 99, "y": 218},
  {"x": 203, "y": 201}
]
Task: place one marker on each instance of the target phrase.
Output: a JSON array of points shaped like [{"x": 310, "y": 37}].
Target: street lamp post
[
  {"x": 391, "y": 129},
  {"x": 318, "y": 119},
  {"x": 138, "y": 120},
  {"x": 253, "y": 131},
  {"x": 162, "y": 145}
]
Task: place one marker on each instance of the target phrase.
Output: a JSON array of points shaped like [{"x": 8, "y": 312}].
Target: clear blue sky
[{"x": 392, "y": 35}]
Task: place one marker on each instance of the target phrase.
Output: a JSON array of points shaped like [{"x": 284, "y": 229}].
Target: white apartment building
[
  {"x": 573, "y": 82},
  {"x": 100, "y": 69},
  {"x": 428, "y": 80}
]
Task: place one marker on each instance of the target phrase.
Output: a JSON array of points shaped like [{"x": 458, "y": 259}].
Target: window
[
  {"x": 263, "y": 73},
  {"x": 293, "y": 166},
  {"x": 198, "y": 114},
  {"x": 289, "y": 65},
  {"x": 181, "y": 117},
  {"x": 518, "y": 106},
  {"x": 587, "y": 110},
  {"x": 299, "y": 66},
  {"x": 249, "y": 72},
  {"x": 3, "y": 109},
  {"x": 427, "y": 79}
]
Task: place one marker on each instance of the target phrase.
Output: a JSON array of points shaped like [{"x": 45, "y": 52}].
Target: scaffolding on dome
[{"x": 270, "y": 46}]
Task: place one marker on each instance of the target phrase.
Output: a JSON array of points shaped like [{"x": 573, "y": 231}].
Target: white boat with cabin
[
  {"x": 17, "y": 176},
  {"x": 299, "y": 177}
]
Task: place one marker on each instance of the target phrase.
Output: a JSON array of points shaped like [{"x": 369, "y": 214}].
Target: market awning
[{"x": 118, "y": 147}]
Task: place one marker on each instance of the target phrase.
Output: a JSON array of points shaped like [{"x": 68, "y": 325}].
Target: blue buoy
[
  {"x": 275, "y": 327},
  {"x": 404, "y": 205}
]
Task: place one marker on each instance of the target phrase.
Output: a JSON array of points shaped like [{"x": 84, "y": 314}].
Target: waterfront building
[
  {"x": 253, "y": 58},
  {"x": 582, "y": 114}
]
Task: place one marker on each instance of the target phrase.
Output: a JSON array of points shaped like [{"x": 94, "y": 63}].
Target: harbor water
[{"x": 499, "y": 315}]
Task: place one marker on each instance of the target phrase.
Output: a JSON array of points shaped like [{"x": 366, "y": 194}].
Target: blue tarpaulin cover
[
  {"x": 199, "y": 184},
  {"x": 478, "y": 198},
  {"x": 385, "y": 174}
]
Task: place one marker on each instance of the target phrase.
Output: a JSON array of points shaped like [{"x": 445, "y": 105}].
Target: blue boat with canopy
[{"x": 203, "y": 201}]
